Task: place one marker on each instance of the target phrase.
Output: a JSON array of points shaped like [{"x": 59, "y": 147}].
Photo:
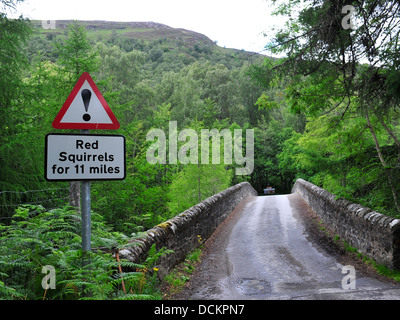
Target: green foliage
[
  {"x": 13, "y": 34},
  {"x": 342, "y": 159},
  {"x": 177, "y": 278},
  {"x": 37, "y": 238},
  {"x": 75, "y": 54},
  {"x": 318, "y": 114},
  {"x": 330, "y": 75},
  {"x": 196, "y": 182}
]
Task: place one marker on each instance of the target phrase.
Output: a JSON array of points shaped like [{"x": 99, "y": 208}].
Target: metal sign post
[
  {"x": 86, "y": 218},
  {"x": 85, "y": 157}
]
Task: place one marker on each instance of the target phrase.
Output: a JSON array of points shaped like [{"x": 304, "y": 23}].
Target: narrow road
[{"x": 265, "y": 250}]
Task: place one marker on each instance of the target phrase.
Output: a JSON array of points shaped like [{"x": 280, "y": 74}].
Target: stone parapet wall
[
  {"x": 371, "y": 233},
  {"x": 181, "y": 233}
]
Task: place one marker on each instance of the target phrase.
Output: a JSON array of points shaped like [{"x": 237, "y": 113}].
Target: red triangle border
[{"x": 57, "y": 121}]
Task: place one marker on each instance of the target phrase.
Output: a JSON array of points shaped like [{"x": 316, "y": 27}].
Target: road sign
[
  {"x": 85, "y": 108},
  {"x": 79, "y": 157}
]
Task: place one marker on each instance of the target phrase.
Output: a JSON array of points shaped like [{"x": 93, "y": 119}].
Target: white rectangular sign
[{"x": 80, "y": 157}]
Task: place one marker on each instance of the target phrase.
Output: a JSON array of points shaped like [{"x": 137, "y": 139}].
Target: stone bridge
[{"x": 371, "y": 233}]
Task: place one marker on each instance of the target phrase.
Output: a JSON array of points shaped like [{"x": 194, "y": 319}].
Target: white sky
[{"x": 236, "y": 24}]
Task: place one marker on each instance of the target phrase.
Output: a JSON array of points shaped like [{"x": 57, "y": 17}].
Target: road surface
[{"x": 265, "y": 250}]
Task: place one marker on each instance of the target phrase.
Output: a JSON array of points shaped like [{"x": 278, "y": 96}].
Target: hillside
[
  {"x": 148, "y": 31},
  {"x": 143, "y": 36},
  {"x": 162, "y": 61},
  {"x": 151, "y": 74}
]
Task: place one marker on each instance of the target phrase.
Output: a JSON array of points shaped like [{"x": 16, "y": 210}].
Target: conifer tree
[{"x": 75, "y": 57}]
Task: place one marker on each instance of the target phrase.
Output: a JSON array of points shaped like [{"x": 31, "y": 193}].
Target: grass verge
[{"x": 174, "y": 282}]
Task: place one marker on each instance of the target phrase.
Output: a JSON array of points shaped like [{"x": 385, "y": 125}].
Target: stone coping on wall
[
  {"x": 371, "y": 233},
  {"x": 181, "y": 234}
]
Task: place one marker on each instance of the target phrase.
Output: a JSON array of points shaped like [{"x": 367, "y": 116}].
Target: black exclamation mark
[{"x": 86, "y": 95}]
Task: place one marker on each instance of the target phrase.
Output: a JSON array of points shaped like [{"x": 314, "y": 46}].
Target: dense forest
[
  {"x": 148, "y": 82},
  {"x": 327, "y": 112}
]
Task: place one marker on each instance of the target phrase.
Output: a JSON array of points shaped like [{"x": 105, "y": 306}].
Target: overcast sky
[{"x": 236, "y": 24}]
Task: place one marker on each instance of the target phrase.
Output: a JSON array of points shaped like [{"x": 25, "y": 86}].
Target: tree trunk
[
  {"x": 198, "y": 181},
  {"x": 74, "y": 194},
  {"x": 390, "y": 132},
  {"x": 384, "y": 164}
]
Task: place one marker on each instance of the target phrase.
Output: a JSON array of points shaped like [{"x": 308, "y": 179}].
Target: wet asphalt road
[{"x": 263, "y": 252}]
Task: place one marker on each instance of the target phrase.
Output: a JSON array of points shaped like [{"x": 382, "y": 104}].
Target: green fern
[
  {"x": 133, "y": 296},
  {"x": 37, "y": 237},
  {"x": 153, "y": 255}
]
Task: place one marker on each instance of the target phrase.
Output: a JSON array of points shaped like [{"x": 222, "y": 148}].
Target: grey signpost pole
[
  {"x": 86, "y": 217},
  {"x": 84, "y": 94},
  {"x": 85, "y": 157}
]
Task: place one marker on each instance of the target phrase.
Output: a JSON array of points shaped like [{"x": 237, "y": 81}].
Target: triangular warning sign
[{"x": 85, "y": 108}]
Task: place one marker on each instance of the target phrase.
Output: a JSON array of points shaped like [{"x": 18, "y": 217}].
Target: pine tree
[
  {"x": 75, "y": 57},
  {"x": 13, "y": 35}
]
